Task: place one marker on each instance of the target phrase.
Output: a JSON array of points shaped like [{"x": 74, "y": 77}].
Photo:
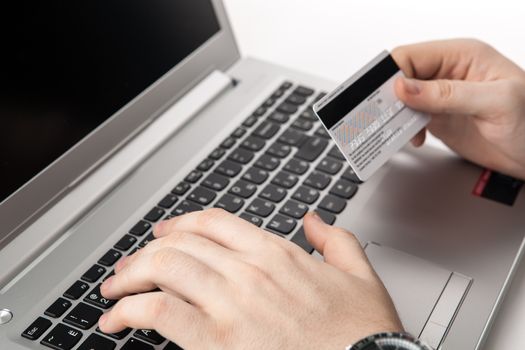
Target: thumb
[
  {"x": 339, "y": 247},
  {"x": 444, "y": 96}
]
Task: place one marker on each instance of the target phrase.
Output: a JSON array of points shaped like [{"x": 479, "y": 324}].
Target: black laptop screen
[{"x": 67, "y": 66}]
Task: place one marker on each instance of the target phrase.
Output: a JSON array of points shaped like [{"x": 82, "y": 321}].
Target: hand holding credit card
[{"x": 365, "y": 118}]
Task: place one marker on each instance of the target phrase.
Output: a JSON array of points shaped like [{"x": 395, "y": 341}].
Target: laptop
[{"x": 118, "y": 114}]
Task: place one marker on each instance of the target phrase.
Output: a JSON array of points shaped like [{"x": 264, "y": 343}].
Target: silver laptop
[{"x": 118, "y": 114}]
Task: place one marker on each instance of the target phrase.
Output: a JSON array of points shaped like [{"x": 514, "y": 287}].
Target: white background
[{"x": 333, "y": 38}]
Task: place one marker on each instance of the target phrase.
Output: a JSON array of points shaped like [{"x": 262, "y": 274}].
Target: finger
[
  {"x": 165, "y": 313},
  {"x": 219, "y": 226},
  {"x": 448, "y": 59},
  {"x": 172, "y": 271},
  {"x": 448, "y": 96},
  {"x": 419, "y": 139},
  {"x": 339, "y": 247},
  {"x": 198, "y": 247}
]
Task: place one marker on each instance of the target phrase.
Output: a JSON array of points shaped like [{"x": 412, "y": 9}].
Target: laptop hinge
[{"x": 91, "y": 187}]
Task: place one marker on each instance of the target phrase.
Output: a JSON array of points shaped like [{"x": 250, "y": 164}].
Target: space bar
[{"x": 312, "y": 148}]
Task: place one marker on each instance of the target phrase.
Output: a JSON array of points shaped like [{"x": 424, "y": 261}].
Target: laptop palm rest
[{"x": 427, "y": 297}]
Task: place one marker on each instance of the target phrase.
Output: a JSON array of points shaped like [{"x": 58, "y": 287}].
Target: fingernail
[
  {"x": 316, "y": 216},
  {"x": 412, "y": 86},
  {"x": 105, "y": 285},
  {"x": 102, "y": 320}
]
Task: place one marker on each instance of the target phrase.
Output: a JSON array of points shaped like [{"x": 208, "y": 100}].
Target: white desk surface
[{"x": 348, "y": 33}]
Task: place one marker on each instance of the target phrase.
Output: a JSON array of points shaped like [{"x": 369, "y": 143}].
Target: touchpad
[{"x": 426, "y": 296}]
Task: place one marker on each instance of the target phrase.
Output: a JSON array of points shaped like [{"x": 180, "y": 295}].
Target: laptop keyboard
[{"x": 273, "y": 168}]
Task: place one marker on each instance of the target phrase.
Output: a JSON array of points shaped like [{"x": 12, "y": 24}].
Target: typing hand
[
  {"x": 476, "y": 98},
  {"x": 226, "y": 284}
]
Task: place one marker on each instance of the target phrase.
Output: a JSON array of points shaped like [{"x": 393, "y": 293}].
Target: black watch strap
[{"x": 389, "y": 341}]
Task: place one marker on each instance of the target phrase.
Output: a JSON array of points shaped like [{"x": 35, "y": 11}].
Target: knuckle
[
  {"x": 254, "y": 275},
  {"x": 162, "y": 259},
  {"x": 161, "y": 308},
  {"x": 210, "y": 217},
  {"x": 445, "y": 89}
]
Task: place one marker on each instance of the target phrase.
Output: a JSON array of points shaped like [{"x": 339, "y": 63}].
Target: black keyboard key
[
  {"x": 306, "y": 195},
  {"x": 172, "y": 346},
  {"x": 296, "y": 99},
  {"x": 76, "y": 290},
  {"x": 279, "y": 150},
  {"x": 206, "y": 165},
  {"x": 243, "y": 189},
  {"x": 260, "y": 207},
  {"x": 110, "y": 257},
  {"x": 287, "y": 108},
  {"x": 37, "y": 328},
  {"x": 120, "y": 335},
  {"x": 228, "y": 143},
  {"x": 135, "y": 344},
  {"x": 304, "y": 91},
  {"x": 332, "y": 204},
  {"x": 241, "y": 156},
  {"x": 292, "y": 137},
  {"x": 296, "y": 166},
  {"x": 155, "y": 214},
  {"x": 344, "y": 189},
  {"x": 185, "y": 207},
  {"x": 273, "y": 193},
  {"x": 124, "y": 244},
  {"x": 216, "y": 154},
  {"x": 321, "y": 131},
  {"x": 300, "y": 239},
  {"x": 327, "y": 217},
  {"x": 311, "y": 149},
  {"x": 320, "y": 96},
  {"x": 257, "y": 221},
  {"x": 294, "y": 209},
  {"x": 149, "y": 335},
  {"x": 228, "y": 168},
  {"x": 58, "y": 308},
  {"x": 350, "y": 175},
  {"x": 140, "y": 228},
  {"x": 253, "y": 143},
  {"x": 309, "y": 114},
  {"x": 83, "y": 316},
  {"x": 146, "y": 240},
  {"x": 215, "y": 182},
  {"x": 95, "y": 272},
  {"x": 282, "y": 224},
  {"x": 267, "y": 162},
  {"x": 303, "y": 124},
  {"x": 336, "y": 153},
  {"x": 284, "y": 179},
  {"x": 96, "y": 342},
  {"x": 318, "y": 180},
  {"x": 62, "y": 337},
  {"x": 266, "y": 130},
  {"x": 286, "y": 85},
  {"x": 279, "y": 117},
  {"x": 260, "y": 111},
  {"x": 255, "y": 175},
  {"x": 230, "y": 203},
  {"x": 168, "y": 201},
  {"x": 202, "y": 196},
  {"x": 250, "y": 121},
  {"x": 269, "y": 102},
  {"x": 193, "y": 177},
  {"x": 278, "y": 94},
  {"x": 95, "y": 298},
  {"x": 329, "y": 166},
  {"x": 181, "y": 188},
  {"x": 239, "y": 132}
]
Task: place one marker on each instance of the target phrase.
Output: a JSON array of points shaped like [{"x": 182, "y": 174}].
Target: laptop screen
[{"x": 68, "y": 66}]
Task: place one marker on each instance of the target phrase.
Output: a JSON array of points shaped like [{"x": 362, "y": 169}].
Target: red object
[{"x": 482, "y": 183}]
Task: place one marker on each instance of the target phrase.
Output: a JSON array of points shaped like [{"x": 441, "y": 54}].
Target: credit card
[{"x": 365, "y": 118}]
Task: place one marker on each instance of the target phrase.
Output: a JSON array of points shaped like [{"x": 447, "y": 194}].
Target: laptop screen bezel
[{"x": 31, "y": 200}]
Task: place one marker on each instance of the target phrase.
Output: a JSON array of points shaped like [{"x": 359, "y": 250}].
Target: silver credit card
[{"x": 366, "y": 119}]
